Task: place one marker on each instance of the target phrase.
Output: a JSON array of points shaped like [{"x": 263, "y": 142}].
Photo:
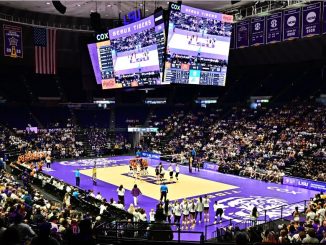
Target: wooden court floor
[{"x": 187, "y": 186}]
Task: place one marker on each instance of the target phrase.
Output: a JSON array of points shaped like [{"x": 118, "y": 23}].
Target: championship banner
[
  {"x": 291, "y": 24},
  {"x": 324, "y": 18},
  {"x": 311, "y": 19},
  {"x": 257, "y": 31},
  {"x": 242, "y": 34},
  {"x": 13, "y": 41},
  {"x": 274, "y": 28}
]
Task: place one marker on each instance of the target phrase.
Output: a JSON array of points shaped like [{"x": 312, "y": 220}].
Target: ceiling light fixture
[{"x": 47, "y": 3}]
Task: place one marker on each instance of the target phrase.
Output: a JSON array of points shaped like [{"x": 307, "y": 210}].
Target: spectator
[
  {"x": 160, "y": 231},
  {"x": 44, "y": 237},
  {"x": 311, "y": 237}
]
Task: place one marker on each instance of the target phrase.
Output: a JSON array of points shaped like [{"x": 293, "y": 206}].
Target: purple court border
[{"x": 237, "y": 202}]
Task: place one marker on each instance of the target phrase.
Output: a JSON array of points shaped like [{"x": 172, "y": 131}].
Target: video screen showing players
[
  {"x": 135, "y": 56},
  {"x": 101, "y": 58},
  {"x": 197, "y": 46}
]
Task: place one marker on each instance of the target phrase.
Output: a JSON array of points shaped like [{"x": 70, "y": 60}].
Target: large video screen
[
  {"x": 135, "y": 54},
  {"x": 101, "y": 58},
  {"x": 137, "y": 70},
  {"x": 198, "y": 45}
]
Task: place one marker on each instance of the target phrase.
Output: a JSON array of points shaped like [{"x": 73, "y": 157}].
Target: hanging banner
[
  {"x": 291, "y": 24},
  {"x": 311, "y": 19},
  {"x": 257, "y": 31},
  {"x": 242, "y": 34},
  {"x": 274, "y": 28},
  {"x": 324, "y": 18},
  {"x": 13, "y": 41}
]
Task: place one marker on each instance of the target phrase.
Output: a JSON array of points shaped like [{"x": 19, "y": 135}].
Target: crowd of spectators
[
  {"x": 63, "y": 143},
  {"x": 26, "y": 214},
  {"x": 259, "y": 144},
  {"x": 135, "y": 41},
  {"x": 103, "y": 143},
  {"x": 200, "y": 24}
]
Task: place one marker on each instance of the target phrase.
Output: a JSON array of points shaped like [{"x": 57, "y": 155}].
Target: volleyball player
[
  {"x": 170, "y": 170},
  {"x": 146, "y": 166},
  {"x": 121, "y": 194},
  {"x": 206, "y": 202},
  {"x": 94, "y": 175},
  {"x": 167, "y": 209},
  {"x": 134, "y": 169},
  {"x": 177, "y": 212},
  {"x": 162, "y": 172},
  {"x": 130, "y": 167},
  {"x": 177, "y": 171},
  {"x": 218, "y": 209},
  {"x": 48, "y": 161},
  {"x": 192, "y": 213},
  {"x": 199, "y": 209},
  {"x": 142, "y": 167},
  {"x": 157, "y": 173},
  {"x": 185, "y": 213}
]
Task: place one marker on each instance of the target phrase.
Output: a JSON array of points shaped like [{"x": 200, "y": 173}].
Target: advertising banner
[{"x": 304, "y": 183}]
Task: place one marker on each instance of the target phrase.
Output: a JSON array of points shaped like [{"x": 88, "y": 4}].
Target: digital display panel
[
  {"x": 101, "y": 58},
  {"x": 135, "y": 54},
  {"x": 198, "y": 44}
]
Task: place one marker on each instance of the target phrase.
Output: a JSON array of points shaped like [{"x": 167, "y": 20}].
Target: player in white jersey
[
  {"x": 206, "y": 202},
  {"x": 177, "y": 212},
  {"x": 185, "y": 213},
  {"x": 177, "y": 171},
  {"x": 192, "y": 211},
  {"x": 168, "y": 210},
  {"x": 199, "y": 209}
]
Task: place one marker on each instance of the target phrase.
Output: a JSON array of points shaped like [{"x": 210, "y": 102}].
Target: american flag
[{"x": 45, "y": 51}]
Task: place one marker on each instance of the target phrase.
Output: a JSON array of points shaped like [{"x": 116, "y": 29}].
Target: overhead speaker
[
  {"x": 234, "y": 2},
  {"x": 95, "y": 21},
  {"x": 59, "y": 6}
]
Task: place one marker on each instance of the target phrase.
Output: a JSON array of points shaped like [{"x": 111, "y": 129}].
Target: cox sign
[
  {"x": 102, "y": 36},
  {"x": 175, "y": 7}
]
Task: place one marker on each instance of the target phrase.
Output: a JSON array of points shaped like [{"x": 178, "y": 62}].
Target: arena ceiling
[{"x": 111, "y": 9}]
